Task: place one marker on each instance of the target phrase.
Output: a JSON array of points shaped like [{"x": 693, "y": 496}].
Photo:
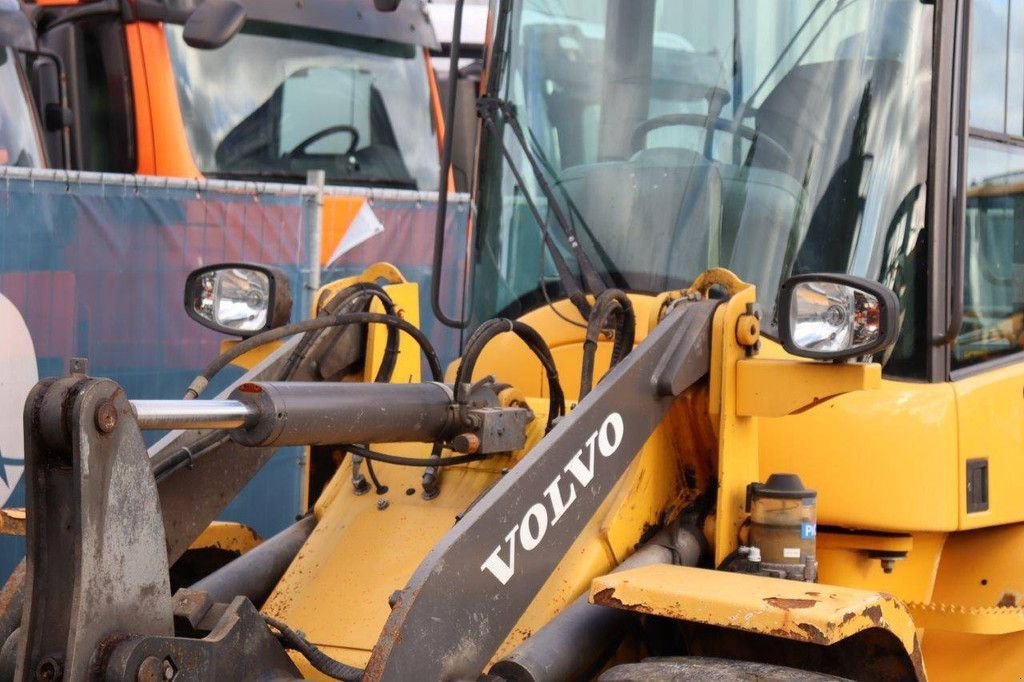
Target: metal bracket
[
  {"x": 239, "y": 646},
  {"x": 96, "y": 559}
]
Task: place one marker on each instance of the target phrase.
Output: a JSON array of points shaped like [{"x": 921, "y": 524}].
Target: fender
[{"x": 18, "y": 374}]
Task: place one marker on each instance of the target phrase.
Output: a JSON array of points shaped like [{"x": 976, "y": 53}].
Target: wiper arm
[{"x": 488, "y": 108}]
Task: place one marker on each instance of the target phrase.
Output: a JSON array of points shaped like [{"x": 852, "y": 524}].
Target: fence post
[{"x": 313, "y": 219}]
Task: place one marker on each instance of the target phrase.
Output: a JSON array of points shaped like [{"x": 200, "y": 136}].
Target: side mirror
[
  {"x": 241, "y": 299},
  {"x": 836, "y": 317},
  {"x": 213, "y": 24},
  {"x": 16, "y": 31},
  {"x": 386, "y": 5}
]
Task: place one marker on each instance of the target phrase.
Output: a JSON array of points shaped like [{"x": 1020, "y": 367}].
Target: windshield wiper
[{"x": 488, "y": 108}]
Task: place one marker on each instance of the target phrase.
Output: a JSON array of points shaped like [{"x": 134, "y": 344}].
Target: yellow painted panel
[
  {"x": 227, "y": 535},
  {"x": 816, "y": 613},
  {"x": 407, "y": 369},
  {"x": 883, "y": 459},
  {"x": 991, "y": 406},
  {"x": 776, "y": 388},
  {"x": 337, "y": 589},
  {"x": 841, "y": 562},
  {"x": 509, "y": 360},
  {"x": 980, "y": 569}
]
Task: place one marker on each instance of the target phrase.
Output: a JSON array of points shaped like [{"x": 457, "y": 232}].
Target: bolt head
[
  {"x": 49, "y": 670},
  {"x": 106, "y": 416},
  {"x": 382, "y": 504}
]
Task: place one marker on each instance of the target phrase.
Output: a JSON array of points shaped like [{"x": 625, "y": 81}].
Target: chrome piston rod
[{"x": 193, "y": 414}]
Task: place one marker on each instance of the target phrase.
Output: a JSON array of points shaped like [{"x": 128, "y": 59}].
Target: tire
[{"x": 678, "y": 669}]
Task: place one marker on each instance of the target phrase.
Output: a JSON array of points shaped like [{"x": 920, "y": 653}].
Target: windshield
[
  {"x": 19, "y": 139},
  {"x": 278, "y": 101},
  {"x": 772, "y": 138}
]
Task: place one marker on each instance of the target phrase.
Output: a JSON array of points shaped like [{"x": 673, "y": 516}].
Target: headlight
[
  {"x": 836, "y": 317},
  {"x": 238, "y": 298}
]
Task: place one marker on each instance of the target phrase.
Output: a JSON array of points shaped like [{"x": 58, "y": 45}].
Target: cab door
[{"x": 987, "y": 358}]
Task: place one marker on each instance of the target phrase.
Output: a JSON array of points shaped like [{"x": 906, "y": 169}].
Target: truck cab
[{"x": 143, "y": 101}]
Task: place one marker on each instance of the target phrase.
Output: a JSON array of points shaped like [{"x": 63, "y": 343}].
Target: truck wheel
[{"x": 680, "y": 668}]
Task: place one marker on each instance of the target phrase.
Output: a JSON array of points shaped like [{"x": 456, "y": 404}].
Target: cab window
[
  {"x": 994, "y": 184},
  {"x": 20, "y": 144}
]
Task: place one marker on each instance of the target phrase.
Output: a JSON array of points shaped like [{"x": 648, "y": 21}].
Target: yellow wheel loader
[{"x": 738, "y": 395}]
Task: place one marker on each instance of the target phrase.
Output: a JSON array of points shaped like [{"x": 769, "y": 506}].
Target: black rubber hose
[
  {"x": 203, "y": 379},
  {"x": 431, "y": 461},
  {"x": 349, "y": 295},
  {"x": 185, "y": 456},
  {"x": 292, "y": 639},
  {"x": 610, "y": 302},
  {"x": 534, "y": 341}
]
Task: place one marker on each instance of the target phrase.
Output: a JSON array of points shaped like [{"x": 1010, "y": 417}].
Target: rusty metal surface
[
  {"x": 471, "y": 590},
  {"x": 12, "y": 521},
  {"x": 239, "y": 646},
  {"x": 12, "y": 601},
  {"x": 96, "y": 559},
  {"x": 806, "y": 612}
]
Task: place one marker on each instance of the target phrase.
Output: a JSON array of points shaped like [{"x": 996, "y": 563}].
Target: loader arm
[{"x": 507, "y": 545}]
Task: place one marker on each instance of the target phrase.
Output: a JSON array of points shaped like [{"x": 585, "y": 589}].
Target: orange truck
[{"x": 269, "y": 91}]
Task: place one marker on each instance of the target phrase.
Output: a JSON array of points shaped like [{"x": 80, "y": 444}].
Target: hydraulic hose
[
  {"x": 349, "y": 297},
  {"x": 493, "y": 328},
  {"x": 291, "y": 639},
  {"x": 610, "y": 302},
  {"x": 431, "y": 461},
  {"x": 199, "y": 384}
]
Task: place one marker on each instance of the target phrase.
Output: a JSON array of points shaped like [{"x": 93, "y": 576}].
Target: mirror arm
[
  {"x": 152, "y": 10},
  {"x": 65, "y": 104}
]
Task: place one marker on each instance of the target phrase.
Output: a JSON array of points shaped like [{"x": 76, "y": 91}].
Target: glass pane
[
  {"x": 988, "y": 64},
  {"x": 994, "y": 254},
  {"x": 278, "y": 101},
  {"x": 19, "y": 144},
  {"x": 771, "y": 138},
  {"x": 1015, "y": 71}
]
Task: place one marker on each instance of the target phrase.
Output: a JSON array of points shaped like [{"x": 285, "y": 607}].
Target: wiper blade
[{"x": 488, "y": 107}]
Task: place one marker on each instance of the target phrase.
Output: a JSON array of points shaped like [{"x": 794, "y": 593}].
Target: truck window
[
  {"x": 278, "y": 101},
  {"x": 20, "y": 144},
  {"x": 994, "y": 229}
]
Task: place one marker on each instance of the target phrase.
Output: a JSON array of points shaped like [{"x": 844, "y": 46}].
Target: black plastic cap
[{"x": 784, "y": 486}]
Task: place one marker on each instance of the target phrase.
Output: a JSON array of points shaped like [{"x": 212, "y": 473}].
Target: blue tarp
[{"x": 97, "y": 270}]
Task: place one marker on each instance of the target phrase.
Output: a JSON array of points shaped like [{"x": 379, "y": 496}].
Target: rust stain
[
  {"x": 607, "y": 597},
  {"x": 874, "y": 614},
  {"x": 786, "y": 604},
  {"x": 813, "y": 633},
  {"x": 1009, "y": 599},
  {"x": 12, "y": 588}
]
